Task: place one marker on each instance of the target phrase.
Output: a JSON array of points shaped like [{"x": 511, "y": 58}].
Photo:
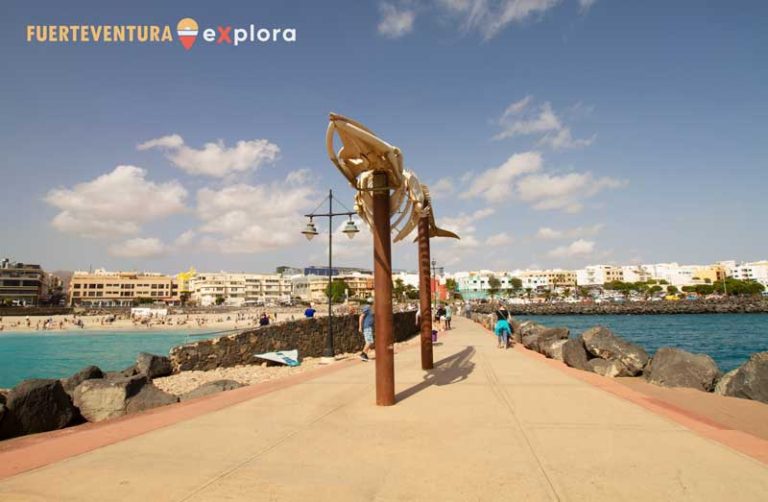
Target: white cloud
[
  {"x": 522, "y": 119},
  {"x": 215, "y": 159},
  {"x": 490, "y": 17},
  {"x": 495, "y": 185},
  {"x": 443, "y": 188},
  {"x": 580, "y": 247},
  {"x": 185, "y": 239},
  {"x": 500, "y": 239},
  {"x": 464, "y": 224},
  {"x": 245, "y": 218},
  {"x": 138, "y": 248},
  {"x": 562, "y": 192},
  {"x": 584, "y": 5},
  {"x": 115, "y": 204},
  {"x": 395, "y": 22},
  {"x": 546, "y": 233}
]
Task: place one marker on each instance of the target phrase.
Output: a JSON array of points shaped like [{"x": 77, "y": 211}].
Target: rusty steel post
[
  {"x": 425, "y": 293},
  {"x": 382, "y": 298}
]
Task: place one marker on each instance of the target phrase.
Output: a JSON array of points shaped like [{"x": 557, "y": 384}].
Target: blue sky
[{"x": 560, "y": 134}]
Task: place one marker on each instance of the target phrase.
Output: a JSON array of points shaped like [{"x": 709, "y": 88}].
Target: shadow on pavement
[{"x": 452, "y": 369}]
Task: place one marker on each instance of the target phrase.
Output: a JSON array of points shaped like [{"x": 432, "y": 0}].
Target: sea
[
  {"x": 60, "y": 354},
  {"x": 728, "y": 338}
]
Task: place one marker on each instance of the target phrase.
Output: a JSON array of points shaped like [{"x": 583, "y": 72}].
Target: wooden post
[
  {"x": 382, "y": 287},
  {"x": 425, "y": 292}
]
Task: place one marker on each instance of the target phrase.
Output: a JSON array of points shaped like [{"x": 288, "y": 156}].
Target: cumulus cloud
[
  {"x": 442, "y": 188},
  {"x": 546, "y": 233},
  {"x": 115, "y": 204},
  {"x": 464, "y": 223},
  {"x": 215, "y": 158},
  {"x": 584, "y": 5},
  {"x": 563, "y": 191},
  {"x": 395, "y": 22},
  {"x": 580, "y": 247},
  {"x": 520, "y": 178},
  {"x": 244, "y": 218},
  {"x": 139, "y": 247},
  {"x": 522, "y": 119},
  {"x": 495, "y": 185}
]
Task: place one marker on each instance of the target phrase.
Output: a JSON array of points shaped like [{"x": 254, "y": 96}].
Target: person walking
[
  {"x": 448, "y": 315},
  {"x": 503, "y": 331},
  {"x": 365, "y": 327}
]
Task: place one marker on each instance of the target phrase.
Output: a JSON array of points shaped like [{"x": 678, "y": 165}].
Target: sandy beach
[{"x": 122, "y": 322}]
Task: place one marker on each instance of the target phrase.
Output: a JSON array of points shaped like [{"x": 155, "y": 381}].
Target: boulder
[
  {"x": 153, "y": 366},
  {"x": 40, "y": 405},
  {"x": 100, "y": 399},
  {"x": 212, "y": 388},
  {"x": 553, "y": 349},
  {"x": 601, "y": 342},
  {"x": 124, "y": 373},
  {"x": 750, "y": 381},
  {"x": 548, "y": 336},
  {"x": 672, "y": 367},
  {"x": 87, "y": 373},
  {"x": 9, "y": 426},
  {"x": 3, "y": 396},
  {"x": 531, "y": 328},
  {"x": 531, "y": 341},
  {"x": 605, "y": 367},
  {"x": 149, "y": 397},
  {"x": 724, "y": 383},
  {"x": 575, "y": 354}
]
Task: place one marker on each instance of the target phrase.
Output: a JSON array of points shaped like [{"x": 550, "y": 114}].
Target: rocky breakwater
[
  {"x": 308, "y": 336},
  {"x": 90, "y": 395},
  {"x": 601, "y": 351},
  {"x": 729, "y": 306}
]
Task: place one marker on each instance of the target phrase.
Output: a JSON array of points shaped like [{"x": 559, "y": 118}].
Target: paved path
[{"x": 487, "y": 424}]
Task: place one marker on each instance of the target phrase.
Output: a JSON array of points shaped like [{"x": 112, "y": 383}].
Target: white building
[
  {"x": 239, "y": 289},
  {"x": 597, "y": 275},
  {"x": 752, "y": 271}
]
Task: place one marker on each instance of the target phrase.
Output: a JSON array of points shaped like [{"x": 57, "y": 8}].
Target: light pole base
[{"x": 327, "y": 360}]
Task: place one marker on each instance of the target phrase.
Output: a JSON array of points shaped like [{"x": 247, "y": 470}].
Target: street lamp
[{"x": 310, "y": 231}]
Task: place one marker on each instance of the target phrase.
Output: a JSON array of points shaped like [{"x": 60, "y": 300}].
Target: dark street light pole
[{"x": 309, "y": 232}]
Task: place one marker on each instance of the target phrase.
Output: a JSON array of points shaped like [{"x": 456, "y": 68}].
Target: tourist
[
  {"x": 365, "y": 326},
  {"x": 448, "y": 315},
  {"x": 503, "y": 332},
  {"x": 310, "y": 312},
  {"x": 440, "y": 316},
  {"x": 264, "y": 320}
]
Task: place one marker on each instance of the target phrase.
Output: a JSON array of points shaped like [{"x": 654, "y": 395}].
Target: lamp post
[{"x": 350, "y": 229}]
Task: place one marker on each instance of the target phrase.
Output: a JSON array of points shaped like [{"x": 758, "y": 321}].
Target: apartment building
[
  {"x": 239, "y": 289},
  {"x": 312, "y": 288},
  {"x": 102, "y": 288},
  {"x": 753, "y": 271},
  {"x": 21, "y": 283},
  {"x": 597, "y": 275}
]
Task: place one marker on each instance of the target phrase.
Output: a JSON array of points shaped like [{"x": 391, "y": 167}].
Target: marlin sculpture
[{"x": 361, "y": 155}]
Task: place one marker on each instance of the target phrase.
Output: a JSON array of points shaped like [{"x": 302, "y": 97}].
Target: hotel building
[
  {"x": 101, "y": 288},
  {"x": 239, "y": 289},
  {"x": 21, "y": 283}
]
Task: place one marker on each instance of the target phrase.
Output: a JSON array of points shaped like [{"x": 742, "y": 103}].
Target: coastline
[{"x": 731, "y": 306}]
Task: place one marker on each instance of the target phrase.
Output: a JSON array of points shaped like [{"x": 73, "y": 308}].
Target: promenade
[{"x": 486, "y": 424}]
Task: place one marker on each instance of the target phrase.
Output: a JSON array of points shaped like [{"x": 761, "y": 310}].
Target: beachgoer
[
  {"x": 310, "y": 312},
  {"x": 448, "y": 315},
  {"x": 503, "y": 332},
  {"x": 264, "y": 320},
  {"x": 365, "y": 326}
]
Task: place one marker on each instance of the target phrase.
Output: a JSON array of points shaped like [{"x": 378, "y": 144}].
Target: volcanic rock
[
  {"x": 87, "y": 373},
  {"x": 40, "y": 405},
  {"x": 212, "y": 388},
  {"x": 100, "y": 399},
  {"x": 574, "y": 354},
  {"x": 750, "y": 381},
  {"x": 601, "y": 342},
  {"x": 605, "y": 367},
  {"x": 672, "y": 367},
  {"x": 153, "y": 366}
]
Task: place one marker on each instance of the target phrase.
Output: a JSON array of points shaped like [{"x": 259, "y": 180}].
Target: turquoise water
[
  {"x": 728, "y": 338},
  {"x": 57, "y": 355}
]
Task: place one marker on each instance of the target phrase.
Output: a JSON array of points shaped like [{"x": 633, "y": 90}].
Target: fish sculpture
[{"x": 362, "y": 154}]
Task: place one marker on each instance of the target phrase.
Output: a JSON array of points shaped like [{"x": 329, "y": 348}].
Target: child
[{"x": 503, "y": 332}]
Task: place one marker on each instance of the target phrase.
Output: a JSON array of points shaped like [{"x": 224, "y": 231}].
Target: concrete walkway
[{"x": 486, "y": 424}]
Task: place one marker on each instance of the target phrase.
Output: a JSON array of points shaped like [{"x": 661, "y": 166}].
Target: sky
[{"x": 553, "y": 133}]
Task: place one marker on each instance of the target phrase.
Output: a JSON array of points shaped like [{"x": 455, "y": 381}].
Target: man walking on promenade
[{"x": 365, "y": 326}]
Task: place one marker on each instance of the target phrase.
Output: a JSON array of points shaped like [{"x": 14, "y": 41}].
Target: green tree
[
  {"x": 494, "y": 286},
  {"x": 411, "y": 293},
  {"x": 655, "y": 289},
  {"x": 516, "y": 283},
  {"x": 452, "y": 286},
  {"x": 398, "y": 289},
  {"x": 737, "y": 287},
  {"x": 672, "y": 290},
  {"x": 219, "y": 300},
  {"x": 337, "y": 290}
]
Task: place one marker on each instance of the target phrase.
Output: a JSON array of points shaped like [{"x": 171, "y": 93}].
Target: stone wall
[{"x": 306, "y": 335}]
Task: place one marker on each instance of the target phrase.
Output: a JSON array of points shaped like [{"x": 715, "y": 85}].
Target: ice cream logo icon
[{"x": 187, "y": 32}]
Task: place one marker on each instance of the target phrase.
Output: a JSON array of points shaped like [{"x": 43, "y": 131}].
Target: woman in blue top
[{"x": 503, "y": 330}]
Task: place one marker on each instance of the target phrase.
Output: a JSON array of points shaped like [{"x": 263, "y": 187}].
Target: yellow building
[
  {"x": 119, "y": 289},
  {"x": 709, "y": 274}
]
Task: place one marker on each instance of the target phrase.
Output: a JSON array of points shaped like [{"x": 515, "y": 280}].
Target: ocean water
[
  {"x": 58, "y": 355},
  {"x": 728, "y": 338}
]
